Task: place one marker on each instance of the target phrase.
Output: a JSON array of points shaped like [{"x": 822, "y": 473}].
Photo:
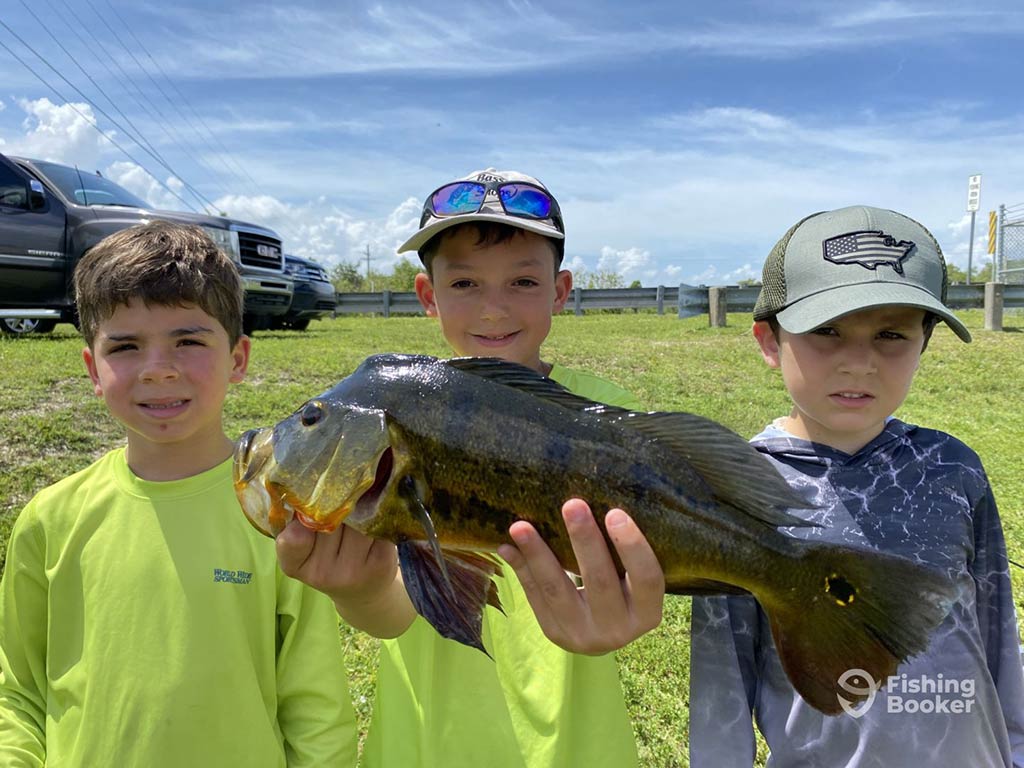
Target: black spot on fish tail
[{"x": 849, "y": 608}]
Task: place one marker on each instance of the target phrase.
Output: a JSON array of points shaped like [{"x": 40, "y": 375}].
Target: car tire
[
  {"x": 252, "y": 323},
  {"x": 23, "y": 326}
]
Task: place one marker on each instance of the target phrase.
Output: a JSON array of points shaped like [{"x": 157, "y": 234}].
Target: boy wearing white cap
[
  {"x": 848, "y": 303},
  {"x": 492, "y": 244}
]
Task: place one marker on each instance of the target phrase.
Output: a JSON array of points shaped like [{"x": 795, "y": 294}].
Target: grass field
[{"x": 52, "y": 425}]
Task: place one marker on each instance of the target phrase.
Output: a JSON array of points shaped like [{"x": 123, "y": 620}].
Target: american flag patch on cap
[{"x": 869, "y": 249}]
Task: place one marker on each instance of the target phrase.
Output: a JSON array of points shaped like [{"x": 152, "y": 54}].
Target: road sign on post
[
  {"x": 973, "y": 193},
  {"x": 973, "y": 199}
]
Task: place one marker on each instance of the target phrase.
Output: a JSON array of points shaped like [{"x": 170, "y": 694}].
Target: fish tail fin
[{"x": 856, "y": 610}]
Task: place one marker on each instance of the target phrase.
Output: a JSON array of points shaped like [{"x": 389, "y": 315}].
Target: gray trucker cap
[{"x": 837, "y": 262}]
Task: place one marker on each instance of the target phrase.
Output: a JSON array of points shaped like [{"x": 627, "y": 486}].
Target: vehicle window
[
  {"x": 13, "y": 192},
  {"x": 88, "y": 188}
]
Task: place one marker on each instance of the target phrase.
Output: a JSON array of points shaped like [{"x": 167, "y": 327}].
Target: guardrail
[{"x": 684, "y": 300}]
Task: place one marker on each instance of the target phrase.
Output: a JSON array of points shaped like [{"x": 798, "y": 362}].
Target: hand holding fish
[
  {"x": 358, "y": 573},
  {"x": 608, "y": 612}
]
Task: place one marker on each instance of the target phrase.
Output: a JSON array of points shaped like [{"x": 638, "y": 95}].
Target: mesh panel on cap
[
  {"x": 772, "y": 298},
  {"x": 938, "y": 251}
]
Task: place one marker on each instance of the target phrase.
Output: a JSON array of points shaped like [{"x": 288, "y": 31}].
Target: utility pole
[{"x": 369, "y": 280}]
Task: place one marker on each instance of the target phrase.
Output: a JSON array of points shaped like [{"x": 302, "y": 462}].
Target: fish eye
[{"x": 311, "y": 414}]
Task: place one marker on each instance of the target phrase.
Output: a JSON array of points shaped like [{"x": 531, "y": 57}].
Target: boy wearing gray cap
[
  {"x": 848, "y": 303},
  {"x": 492, "y": 245}
]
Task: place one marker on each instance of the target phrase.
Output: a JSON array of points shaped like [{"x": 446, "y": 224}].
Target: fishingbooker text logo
[{"x": 925, "y": 694}]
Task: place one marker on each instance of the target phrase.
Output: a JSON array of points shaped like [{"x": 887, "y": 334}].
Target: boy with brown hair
[
  {"x": 492, "y": 245},
  {"x": 143, "y": 621},
  {"x": 849, "y": 301}
]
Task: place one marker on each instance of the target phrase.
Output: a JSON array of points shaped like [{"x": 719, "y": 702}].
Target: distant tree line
[{"x": 349, "y": 278}]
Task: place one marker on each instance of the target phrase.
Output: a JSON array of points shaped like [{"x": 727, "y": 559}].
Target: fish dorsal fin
[
  {"x": 528, "y": 380},
  {"x": 735, "y": 471}
]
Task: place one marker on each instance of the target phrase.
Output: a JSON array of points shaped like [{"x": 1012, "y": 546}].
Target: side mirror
[{"x": 36, "y": 195}]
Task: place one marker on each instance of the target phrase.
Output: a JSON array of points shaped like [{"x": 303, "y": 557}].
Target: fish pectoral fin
[
  {"x": 528, "y": 380},
  {"x": 735, "y": 471},
  {"x": 451, "y": 595}
]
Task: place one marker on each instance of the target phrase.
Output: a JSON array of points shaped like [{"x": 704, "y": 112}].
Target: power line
[
  {"x": 139, "y": 138},
  {"x": 205, "y": 202},
  {"x": 98, "y": 108},
  {"x": 85, "y": 117},
  {"x": 166, "y": 125},
  {"x": 103, "y": 112},
  {"x": 98, "y": 44},
  {"x": 213, "y": 151},
  {"x": 159, "y": 119}
]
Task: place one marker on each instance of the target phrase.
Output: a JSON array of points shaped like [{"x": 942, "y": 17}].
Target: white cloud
[
  {"x": 629, "y": 262},
  {"x": 61, "y": 133},
  {"x": 745, "y": 272},
  {"x": 888, "y": 13},
  {"x": 138, "y": 181},
  {"x": 713, "y": 186},
  {"x": 707, "y": 276},
  {"x": 296, "y": 41},
  {"x": 961, "y": 226},
  {"x": 323, "y": 232}
]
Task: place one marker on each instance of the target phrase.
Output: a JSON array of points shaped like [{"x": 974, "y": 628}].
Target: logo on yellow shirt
[{"x": 234, "y": 577}]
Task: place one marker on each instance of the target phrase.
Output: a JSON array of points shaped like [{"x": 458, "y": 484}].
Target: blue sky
[{"x": 681, "y": 139}]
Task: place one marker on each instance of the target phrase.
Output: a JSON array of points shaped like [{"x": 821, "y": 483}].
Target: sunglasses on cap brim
[{"x": 517, "y": 198}]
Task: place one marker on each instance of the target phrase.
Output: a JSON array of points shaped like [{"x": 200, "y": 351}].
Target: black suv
[
  {"x": 314, "y": 295},
  {"x": 51, "y": 214}
]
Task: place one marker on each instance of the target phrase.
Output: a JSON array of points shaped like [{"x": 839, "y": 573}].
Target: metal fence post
[
  {"x": 577, "y": 301},
  {"x": 717, "y": 306},
  {"x": 993, "y": 306},
  {"x": 999, "y": 262},
  {"x": 661, "y": 299},
  {"x": 387, "y": 303}
]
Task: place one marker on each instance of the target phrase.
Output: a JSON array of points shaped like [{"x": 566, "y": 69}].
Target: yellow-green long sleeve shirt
[
  {"x": 148, "y": 624},
  {"x": 533, "y": 705}
]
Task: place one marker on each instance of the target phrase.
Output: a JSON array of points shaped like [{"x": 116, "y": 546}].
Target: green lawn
[{"x": 52, "y": 425}]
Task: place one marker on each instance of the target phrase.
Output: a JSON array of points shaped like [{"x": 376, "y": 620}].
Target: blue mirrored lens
[
  {"x": 461, "y": 197},
  {"x": 525, "y": 201}
]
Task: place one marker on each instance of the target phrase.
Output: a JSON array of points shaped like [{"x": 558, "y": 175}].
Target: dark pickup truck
[{"x": 51, "y": 214}]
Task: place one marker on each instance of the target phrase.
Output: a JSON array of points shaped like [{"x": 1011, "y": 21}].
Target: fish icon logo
[
  {"x": 859, "y": 683},
  {"x": 869, "y": 249}
]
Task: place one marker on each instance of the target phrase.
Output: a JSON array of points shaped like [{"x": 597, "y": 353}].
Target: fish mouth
[
  {"x": 284, "y": 503},
  {"x": 366, "y": 505},
  {"x": 251, "y": 456},
  {"x": 244, "y": 469}
]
